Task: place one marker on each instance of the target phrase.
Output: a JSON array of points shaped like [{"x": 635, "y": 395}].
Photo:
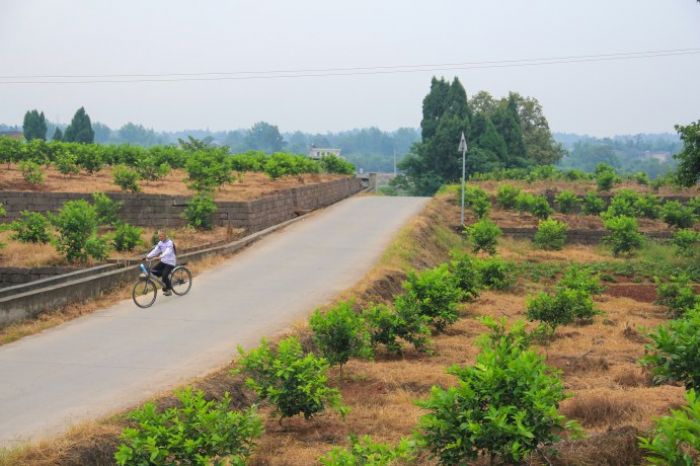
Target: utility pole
[{"x": 463, "y": 147}]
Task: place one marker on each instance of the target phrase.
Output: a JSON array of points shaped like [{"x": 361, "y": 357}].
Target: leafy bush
[
  {"x": 340, "y": 334},
  {"x": 605, "y": 177},
  {"x": 106, "y": 208},
  {"x": 200, "y": 211},
  {"x": 580, "y": 277},
  {"x": 478, "y": 201},
  {"x": 126, "y": 178},
  {"x": 296, "y": 383},
  {"x": 31, "y": 172},
  {"x": 648, "y": 206},
  {"x": 673, "y": 355},
  {"x": 623, "y": 204},
  {"x": 507, "y": 196},
  {"x": 365, "y": 452},
  {"x": 592, "y": 204},
  {"x": 504, "y": 406},
  {"x": 97, "y": 248},
  {"x": 89, "y": 157},
  {"x": 624, "y": 236},
  {"x": 404, "y": 322},
  {"x": 677, "y": 215},
  {"x": 686, "y": 242},
  {"x": 560, "y": 308},
  {"x": 196, "y": 432},
  {"x": 335, "y": 164},
  {"x": 32, "y": 227},
  {"x": 641, "y": 178},
  {"x": 567, "y": 201},
  {"x": 251, "y": 161},
  {"x": 280, "y": 164},
  {"x": 676, "y": 440},
  {"x": 694, "y": 204},
  {"x": 483, "y": 235},
  {"x": 76, "y": 223},
  {"x": 208, "y": 169},
  {"x": 67, "y": 163},
  {"x": 435, "y": 293},
  {"x": 540, "y": 207},
  {"x": 677, "y": 294},
  {"x": 524, "y": 201},
  {"x": 127, "y": 237},
  {"x": 551, "y": 234},
  {"x": 495, "y": 273},
  {"x": 150, "y": 168},
  {"x": 465, "y": 270}
]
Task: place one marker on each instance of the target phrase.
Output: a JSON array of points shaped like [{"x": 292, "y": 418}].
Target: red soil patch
[{"x": 645, "y": 293}]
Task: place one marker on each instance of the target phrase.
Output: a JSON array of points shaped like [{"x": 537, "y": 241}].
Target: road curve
[{"x": 120, "y": 356}]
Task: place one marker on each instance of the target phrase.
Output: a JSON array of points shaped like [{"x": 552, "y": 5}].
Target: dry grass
[
  {"x": 247, "y": 185},
  {"x": 582, "y": 187}
]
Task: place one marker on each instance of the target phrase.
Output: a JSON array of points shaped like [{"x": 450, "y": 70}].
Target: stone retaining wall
[
  {"x": 15, "y": 275},
  {"x": 166, "y": 211}
]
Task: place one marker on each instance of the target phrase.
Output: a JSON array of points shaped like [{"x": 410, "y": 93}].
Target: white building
[{"x": 320, "y": 152}]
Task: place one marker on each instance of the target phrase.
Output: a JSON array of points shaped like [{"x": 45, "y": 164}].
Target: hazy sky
[{"x": 97, "y": 37}]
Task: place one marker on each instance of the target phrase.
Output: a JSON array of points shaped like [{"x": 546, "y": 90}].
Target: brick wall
[{"x": 166, "y": 211}]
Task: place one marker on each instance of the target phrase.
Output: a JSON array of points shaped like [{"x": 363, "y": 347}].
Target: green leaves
[
  {"x": 434, "y": 293},
  {"x": 200, "y": 210},
  {"x": 624, "y": 236},
  {"x": 676, "y": 438},
  {"x": 208, "y": 169},
  {"x": 32, "y": 227},
  {"x": 688, "y": 172},
  {"x": 197, "y": 432},
  {"x": 567, "y": 202},
  {"x": 365, "y": 452},
  {"x": 126, "y": 178},
  {"x": 76, "y": 224},
  {"x": 483, "y": 235},
  {"x": 126, "y": 237},
  {"x": 551, "y": 234},
  {"x": 340, "y": 334}
]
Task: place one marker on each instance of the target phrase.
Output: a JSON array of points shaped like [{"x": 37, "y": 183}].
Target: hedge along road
[{"x": 120, "y": 356}]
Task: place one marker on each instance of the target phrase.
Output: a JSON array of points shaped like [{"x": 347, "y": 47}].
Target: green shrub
[
  {"x": 648, "y": 206},
  {"x": 280, "y": 164},
  {"x": 540, "y": 207},
  {"x": 335, "y": 164},
  {"x": 126, "y": 178},
  {"x": 624, "y": 236},
  {"x": 677, "y": 215},
  {"x": 551, "y": 234},
  {"x": 294, "y": 382},
  {"x": 196, "y": 432},
  {"x": 67, "y": 163},
  {"x": 495, "y": 273},
  {"x": 605, "y": 177},
  {"x": 106, "y": 208},
  {"x": 251, "y": 161},
  {"x": 97, "y": 248},
  {"x": 150, "y": 168},
  {"x": 524, "y": 201},
  {"x": 567, "y": 202},
  {"x": 686, "y": 242},
  {"x": 483, "y": 235},
  {"x": 88, "y": 157},
  {"x": 208, "y": 169},
  {"x": 127, "y": 237},
  {"x": 507, "y": 196},
  {"x": 694, "y": 205},
  {"x": 678, "y": 294},
  {"x": 464, "y": 268},
  {"x": 623, "y": 203},
  {"x": 340, "y": 334},
  {"x": 560, "y": 308},
  {"x": 673, "y": 355},
  {"x": 477, "y": 199},
  {"x": 504, "y": 406},
  {"x": 592, "y": 204},
  {"x": 76, "y": 223},
  {"x": 580, "y": 277},
  {"x": 676, "y": 440},
  {"x": 641, "y": 178},
  {"x": 435, "y": 293},
  {"x": 31, "y": 172},
  {"x": 32, "y": 227},
  {"x": 200, "y": 211},
  {"x": 365, "y": 452},
  {"x": 405, "y": 322}
]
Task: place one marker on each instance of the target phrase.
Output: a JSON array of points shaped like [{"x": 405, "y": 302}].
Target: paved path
[{"x": 122, "y": 355}]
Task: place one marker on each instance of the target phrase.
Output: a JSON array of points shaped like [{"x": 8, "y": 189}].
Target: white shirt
[{"x": 166, "y": 250}]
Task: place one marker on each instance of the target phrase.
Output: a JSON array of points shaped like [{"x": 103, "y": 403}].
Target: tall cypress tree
[
  {"x": 34, "y": 125},
  {"x": 57, "y": 134},
  {"x": 80, "y": 128},
  {"x": 507, "y": 122}
]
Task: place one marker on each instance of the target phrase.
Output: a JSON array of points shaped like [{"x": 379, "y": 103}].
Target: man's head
[{"x": 161, "y": 235}]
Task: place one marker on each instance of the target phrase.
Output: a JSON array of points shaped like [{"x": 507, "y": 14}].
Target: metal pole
[{"x": 464, "y": 169}]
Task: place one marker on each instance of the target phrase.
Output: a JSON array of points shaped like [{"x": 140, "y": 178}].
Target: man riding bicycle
[{"x": 165, "y": 250}]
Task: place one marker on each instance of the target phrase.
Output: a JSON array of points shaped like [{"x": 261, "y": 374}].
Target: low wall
[
  {"x": 573, "y": 236},
  {"x": 15, "y": 275},
  {"x": 166, "y": 211}
]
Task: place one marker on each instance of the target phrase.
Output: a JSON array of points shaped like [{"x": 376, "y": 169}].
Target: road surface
[{"x": 120, "y": 356}]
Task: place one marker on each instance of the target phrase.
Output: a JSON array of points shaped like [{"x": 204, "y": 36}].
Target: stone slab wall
[
  {"x": 166, "y": 211},
  {"x": 15, "y": 275}
]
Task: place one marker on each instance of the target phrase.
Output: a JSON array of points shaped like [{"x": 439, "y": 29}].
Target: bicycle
[{"x": 146, "y": 289}]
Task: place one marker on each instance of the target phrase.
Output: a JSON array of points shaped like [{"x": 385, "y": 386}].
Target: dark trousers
[{"x": 163, "y": 270}]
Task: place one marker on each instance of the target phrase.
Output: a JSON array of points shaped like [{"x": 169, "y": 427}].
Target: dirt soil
[{"x": 246, "y": 187}]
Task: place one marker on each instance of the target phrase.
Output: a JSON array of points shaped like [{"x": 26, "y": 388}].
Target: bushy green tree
[
  {"x": 592, "y": 204},
  {"x": 567, "y": 202},
  {"x": 483, "y": 235},
  {"x": 687, "y": 242},
  {"x": 340, "y": 333},
  {"x": 126, "y": 178},
  {"x": 365, "y": 452},
  {"x": 76, "y": 225},
  {"x": 561, "y": 307},
  {"x": 106, "y": 208},
  {"x": 32, "y": 227},
  {"x": 688, "y": 172},
  {"x": 605, "y": 177},
  {"x": 80, "y": 128},
  {"x": 624, "y": 236},
  {"x": 31, "y": 172},
  {"x": 579, "y": 277},
  {"x": 495, "y": 273},
  {"x": 67, "y": 163},
  {"x": 505, "y": 406},
  {"x": 34, "y": 126},
  {"x": 265, "y": 137},
  {"x": 200, "y": 211},
  {"x": 196, "y": 432},
  {"x": 540, "y": 207},
  {"x": 294, "y": 382},
  {"x": 675, "y": 439},
  {"x": 677, "y": 215},
  {"x": 678, "y": 294},
  {"x": 208, "y": 169},
  {"x": 465, "y": 269},
  {"x": 551, "y": 234},
  {"x": 57, "y": 134},
  {"x": 335, "y": 164},
  {"x": 506, "y": 196},
  {"x": 477, "y": 199},
  {"x": 126, "y": 237}
]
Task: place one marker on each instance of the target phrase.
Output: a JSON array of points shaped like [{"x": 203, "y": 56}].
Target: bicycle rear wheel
[
  {"x": 144, "y": 293},
  {"x": 181, "y": 280}
]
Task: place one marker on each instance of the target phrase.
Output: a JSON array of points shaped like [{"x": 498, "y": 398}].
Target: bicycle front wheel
[
  {"x": 181, "y": 280},
  {"x": 144, "y": 293}
]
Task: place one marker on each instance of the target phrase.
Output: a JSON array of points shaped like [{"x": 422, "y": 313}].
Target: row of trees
[
  {"x": 80, "y": 129},
  {"x": 502, "y": 133}
]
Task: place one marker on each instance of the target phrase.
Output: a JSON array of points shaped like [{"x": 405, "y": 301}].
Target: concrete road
[{"x": 117, "y": 357}]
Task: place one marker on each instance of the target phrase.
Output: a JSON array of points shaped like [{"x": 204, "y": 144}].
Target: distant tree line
[{"x": 80, "y": 129}]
